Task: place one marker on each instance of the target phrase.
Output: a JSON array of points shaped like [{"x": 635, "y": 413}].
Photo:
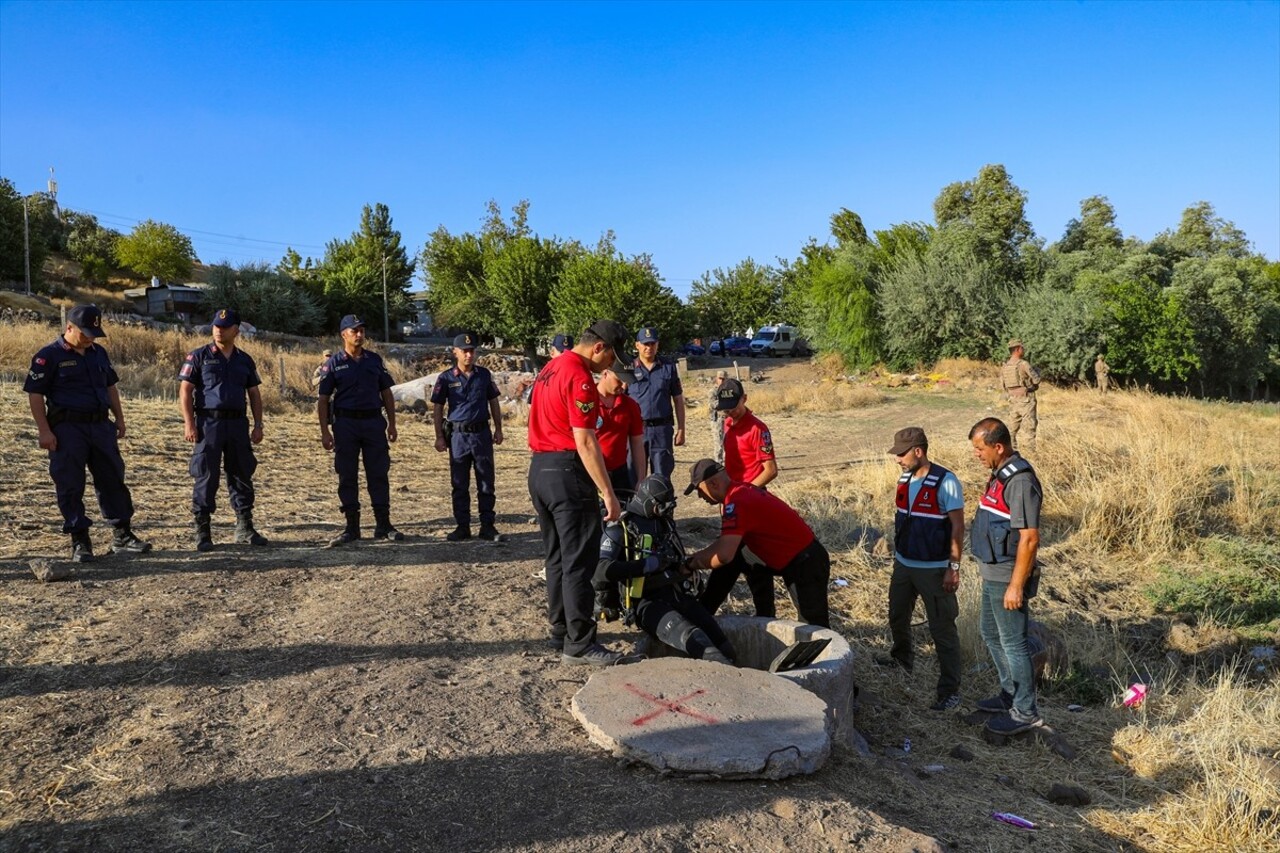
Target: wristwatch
[{"x": 955, "y": 567}]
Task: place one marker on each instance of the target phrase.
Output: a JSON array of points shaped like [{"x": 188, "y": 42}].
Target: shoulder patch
[
  {"x": 39, "y": 360},
  {"x": 584, "y": 407}
]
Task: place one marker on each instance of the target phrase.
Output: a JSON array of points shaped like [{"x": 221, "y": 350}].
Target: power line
[{"x": 236, "y": 237}]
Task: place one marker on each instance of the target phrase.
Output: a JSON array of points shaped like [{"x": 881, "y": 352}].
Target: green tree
[
  {"x": 264, "y": 297},
  {"x": 353, "y": 270},
  {"x": 1203, "y": 234},
  {"x": 91, "y": 245},
  {"x": 741, "y": 297},
  {"x": 842, "y": 313},
  {"x": 520, "y": 277},
  {"x": 847, "y": 228},
  {"x": 990, "y": 212},
  {"x": 156, "y": 249},
  {"x": 1094, "y": 230},
  {"x": 604, "y": 284},
  {"x": 12, "y": 258}
]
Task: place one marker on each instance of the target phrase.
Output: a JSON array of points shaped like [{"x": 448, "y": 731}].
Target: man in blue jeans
[{"x": 1004, "y": 540}]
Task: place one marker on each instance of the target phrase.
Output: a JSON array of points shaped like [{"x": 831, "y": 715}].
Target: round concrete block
[
  {"x": 704, "y": 718},
  {"x": 758, "y": 640}
]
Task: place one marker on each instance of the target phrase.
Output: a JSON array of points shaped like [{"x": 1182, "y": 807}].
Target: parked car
[
  {"x": 731, "y": 346},
  {"x": 693, "y": 349}
]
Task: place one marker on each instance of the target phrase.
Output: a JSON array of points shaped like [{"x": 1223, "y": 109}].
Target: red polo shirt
[
  {"x": 769, "y": 527},
  {"x": 747, "y": 446},
  {"x": 615, "y": 427},
  {"x": 564, "y": 399}
]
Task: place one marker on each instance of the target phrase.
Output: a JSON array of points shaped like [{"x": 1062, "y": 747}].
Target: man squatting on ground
[
  {"x": 1004, "y": 540},
  {"x": 620, "y": 430},
  {"x": 752, "y": 518},
  {"x": 472, "y": 397},
  {"x": 566, "y": 473},
  {"x": 360, "y": 388},
  {"x": 640, "y": 573},
  {"x": 214, "y": 383},
  {"x": 928, "y": 543},
  {"x": 71, "y": 388},
  {"x": 661, "y": 397}
]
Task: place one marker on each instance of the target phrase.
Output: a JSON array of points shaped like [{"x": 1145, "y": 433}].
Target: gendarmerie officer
[
  {"x": 661, "y": 397},
  {"x": 360, "y": 388},
  {"x": 72, "y": 389},
  {"x": 472, "y": 397},
  {"x": 566, "y": 473},
  {"x": 215, "y": 383}
]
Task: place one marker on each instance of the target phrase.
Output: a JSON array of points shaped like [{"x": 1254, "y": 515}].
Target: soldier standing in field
[
  {"x": 1020, "y": 381},
  {"x": 1102, "y": 371}
]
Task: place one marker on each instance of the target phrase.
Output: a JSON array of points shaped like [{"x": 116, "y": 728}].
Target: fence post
[{"x": 282, "y": 383}]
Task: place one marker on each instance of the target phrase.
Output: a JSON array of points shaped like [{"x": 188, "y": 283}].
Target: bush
[{"x": 1239, "y": 587}]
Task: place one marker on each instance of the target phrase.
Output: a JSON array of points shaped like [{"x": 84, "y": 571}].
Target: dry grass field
[{"x": 400, "y": 696}]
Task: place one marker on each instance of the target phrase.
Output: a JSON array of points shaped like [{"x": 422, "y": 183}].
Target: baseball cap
[
  {"x": 1014, "y": 343},
  {"x": 466, "y": 340},
  {"x": 907, "y": 438},
  {"x": 622, "y": 371},
  {"x": 327, "y": 353},
  {"x": 611, "y": 332},
  {"x": 224, "y": 317},
  {"x": 351, "y": 321},
  {"x": 562, "y": 342},
  {"x": 729, "y": 395},
  {"x": 647, "y": 335},
  {"x": 700, "y": 472},
  {"x": 722, "y": 374},
  {"x": 88, "y": 319}
]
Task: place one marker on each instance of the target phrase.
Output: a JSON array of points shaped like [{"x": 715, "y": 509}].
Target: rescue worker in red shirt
[
  {"x": 752, "y": 518},
  {"x": 748, "y": 445},
  {"x": 567, "y": 478},
  {"x": 620, "y": 430}
]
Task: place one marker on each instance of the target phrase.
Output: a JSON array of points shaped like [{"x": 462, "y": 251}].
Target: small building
[{"x": 166, "y": 298}]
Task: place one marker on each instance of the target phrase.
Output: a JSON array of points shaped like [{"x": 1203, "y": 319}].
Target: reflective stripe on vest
[
  {"x": 992, "y": 540},
  {"x": 922, "y": 531}
]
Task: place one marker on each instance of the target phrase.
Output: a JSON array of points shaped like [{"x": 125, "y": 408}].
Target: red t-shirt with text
[
  {"x": 747, "y": 446},
  {"x": 615, "y": 427},
  {"x": 768, "y": 526},
  {"x": 564, "y": 398}
]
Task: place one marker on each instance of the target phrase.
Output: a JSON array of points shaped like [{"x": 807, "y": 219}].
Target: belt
[
  {"x": 659, "y": 421},
  {"x": 805, "y": 553},
  {"x": 222, "y": 414},
  {"x": 70, "y": 416},
  {"x": 357, "y": 414},
  {"x": 471, "y": 426}
]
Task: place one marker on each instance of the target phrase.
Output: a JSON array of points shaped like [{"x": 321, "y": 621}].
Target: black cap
[
  {"x": 700, "y": 472},
  {"x": 466, "y": 340},
  {"x": 611, "y": 332},
  {"x": 351, "y": 321},
  {"x": 224, "y": 317},
  {"x": 905, "y": 439},
  {"x": 729, "y": 395},
  {"x": 88, "y": 319},
  {"x": 622, "y": 371}
]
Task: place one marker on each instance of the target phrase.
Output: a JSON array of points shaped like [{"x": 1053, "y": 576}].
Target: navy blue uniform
[
  {"x": 355, "y": 388},
  {"x": 74, "y": 387},
  {"x": 219, "y": 390},
  {"x": 471, "y": 439},
  {"x": 653, "y": 390}
]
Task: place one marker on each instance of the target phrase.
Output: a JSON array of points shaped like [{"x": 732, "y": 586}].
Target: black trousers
[
  {"x": 941, "y": 609},
  {"x": 679, "y": 621},
  {"x": 564, "y": 499},
  {"x": 93, "y": 446},
  {"x": 354, "y": 438},
  {"x": 806, "y": 578},
  {"x": 222, "y": 445},
  {"x": 759, "y": 580}
]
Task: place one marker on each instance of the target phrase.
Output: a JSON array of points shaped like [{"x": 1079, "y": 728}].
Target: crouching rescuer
[{"x": 641, "y": 575}]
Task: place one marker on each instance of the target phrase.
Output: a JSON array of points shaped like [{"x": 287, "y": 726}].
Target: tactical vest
[
  {"x": 992, "y": 540},
  {"x": 1011, "y": 382},
  {"x": 922, "y": 531}
]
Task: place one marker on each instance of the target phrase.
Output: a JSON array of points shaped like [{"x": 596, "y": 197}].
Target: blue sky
[{"x": 700, "y": 133}]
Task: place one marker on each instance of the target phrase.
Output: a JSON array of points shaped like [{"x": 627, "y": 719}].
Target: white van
[{"x": 775, "y": 341}]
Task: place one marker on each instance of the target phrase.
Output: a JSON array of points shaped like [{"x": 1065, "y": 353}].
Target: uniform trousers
[
  {"x": 658, "y": 444},
  {"x": 1023, "y": 422},
  {"x": 564, "y": 498},
  {"x": 468, "y": 450},
  {"x": 91, "y": 445},
  {"x": 353, "y": 439},
  {"x": 940, "y": 608},
  {"x": 222, "y": 444},
  {"x": 806, "y": 578}
]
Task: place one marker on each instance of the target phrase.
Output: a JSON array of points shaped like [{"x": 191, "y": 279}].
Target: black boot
[
  {"x": 81, "y": 547},
  {"x": 204, "y": 536},
  {"x": 489, "y": 532},
  {"x": 245, "y": 534},
  {"x": 352, "y": 532},
  {"x": 382, "y": 528},
  {"x": 124, "y": 541},
  {"x": 461, "y": 533}
]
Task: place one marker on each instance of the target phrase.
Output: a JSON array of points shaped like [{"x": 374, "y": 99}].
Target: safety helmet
[{"x": 653, "y": 498}]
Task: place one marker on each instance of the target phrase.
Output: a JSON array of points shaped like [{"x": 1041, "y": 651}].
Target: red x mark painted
[{"x": 668, "y": 706}]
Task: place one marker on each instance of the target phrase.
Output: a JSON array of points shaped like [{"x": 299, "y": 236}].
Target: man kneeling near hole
[
  {"x": 751, "y": 518},
  {"x": 640, "y": 576}
]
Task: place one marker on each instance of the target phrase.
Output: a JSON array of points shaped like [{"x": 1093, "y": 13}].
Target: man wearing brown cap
[
  {"x": 567, "y": 478},
  {"x": 1020, "y": 381},
  {"x": 752, "y": 518},
  {"x": 71, "y": 389},
  {"x": 928, "y": 543}
]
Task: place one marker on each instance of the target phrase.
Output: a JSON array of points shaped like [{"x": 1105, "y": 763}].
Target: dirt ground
[{"x": 394, "y": 696}]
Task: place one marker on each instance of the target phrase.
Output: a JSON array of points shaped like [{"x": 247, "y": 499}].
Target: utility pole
[
  {"x": 386, "y": 316},
  {"x": 26, "y": 242}
]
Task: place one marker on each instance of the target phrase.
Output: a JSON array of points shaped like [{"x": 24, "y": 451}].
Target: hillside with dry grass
[{"x": 399, "y": 696}]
